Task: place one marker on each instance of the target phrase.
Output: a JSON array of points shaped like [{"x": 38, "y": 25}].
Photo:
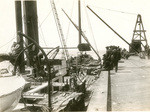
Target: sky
[{"x": 121, "y": 15}]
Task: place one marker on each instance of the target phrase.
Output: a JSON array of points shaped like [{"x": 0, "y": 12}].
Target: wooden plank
[
  {"x": 34, "y": 96},
  {"x": 44, "y": 85},
  {"x": 38, "y": 88}
]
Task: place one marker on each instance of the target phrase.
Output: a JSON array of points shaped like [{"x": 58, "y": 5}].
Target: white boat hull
[{"x": 10, "y": 92}]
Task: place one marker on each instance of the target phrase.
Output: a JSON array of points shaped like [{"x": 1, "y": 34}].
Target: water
[{"x": 74, "y": 53}]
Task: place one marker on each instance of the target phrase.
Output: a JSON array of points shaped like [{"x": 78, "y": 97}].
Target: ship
[{"x": 59, "y": 84}]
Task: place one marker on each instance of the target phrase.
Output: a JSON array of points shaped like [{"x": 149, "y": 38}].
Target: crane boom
[
  {"x": 112, "y": 29},
  {"x": 82, "y": 33},
  {"x": 59, "y": 28}
]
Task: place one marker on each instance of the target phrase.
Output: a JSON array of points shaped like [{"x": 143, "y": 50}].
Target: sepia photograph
[{"x": 74, "y": 56}]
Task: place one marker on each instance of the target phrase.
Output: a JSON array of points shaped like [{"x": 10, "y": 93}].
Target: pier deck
[
  {"x": 129, "y": 88},
  {"x": 99, "y": 90}
]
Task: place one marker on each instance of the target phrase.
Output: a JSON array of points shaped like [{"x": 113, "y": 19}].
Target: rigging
[
  {"x": 90, "y": 26},
  {"x": 59, "y": 28},
  {"x": 69, "y": 21},
  {"x": 115, "y": 10},
  {"x": 42, "y": 34},
  {"x": 112, "y": 29},
  {"x": 7, "y": 43},
  {"x": 84, "y": 36}
]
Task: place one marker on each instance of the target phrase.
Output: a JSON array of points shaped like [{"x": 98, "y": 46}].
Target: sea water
[{"x": 73, "y": 53}]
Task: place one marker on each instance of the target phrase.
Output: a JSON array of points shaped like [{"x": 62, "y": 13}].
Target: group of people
[
  {"x": 111, "y": 57},
  {"x": 125, "y": 54}
]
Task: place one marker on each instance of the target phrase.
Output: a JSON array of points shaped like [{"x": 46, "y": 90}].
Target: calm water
[{"x": 75, "y": 53}]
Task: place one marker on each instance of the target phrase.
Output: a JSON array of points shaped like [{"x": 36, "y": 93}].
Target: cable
[
  {"x": 7, "y": 43},
  {"x": 69, "y": 22},
  {"x": 42, "y": 34},
  {"x": 115, "y": 10},
  {"x": 45, "y": 18},
  {"x": 90, "y": 26}
]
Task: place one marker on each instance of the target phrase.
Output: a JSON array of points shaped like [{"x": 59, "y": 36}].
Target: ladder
[{"x": 59, "y": 29}]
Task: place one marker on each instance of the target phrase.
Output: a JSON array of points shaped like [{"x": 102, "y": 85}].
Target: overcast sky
[{"x": 119, "y": 14}]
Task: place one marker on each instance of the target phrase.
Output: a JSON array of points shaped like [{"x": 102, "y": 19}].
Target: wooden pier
[{"x": 128, "y": 88}]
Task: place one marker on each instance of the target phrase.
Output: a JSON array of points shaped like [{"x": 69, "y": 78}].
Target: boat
[{"x": 11, "y": 87}]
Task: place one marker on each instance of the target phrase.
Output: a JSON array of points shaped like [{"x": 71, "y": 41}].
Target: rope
[
  {"x": 45, "y": 18},
  {"x": 69, "y": 22},
  {"x": 42, "y": 35},
  {"x": 115, "y": 10},
  {"x": 90, "y": 26},
  {"x": 7, "y": 43}
]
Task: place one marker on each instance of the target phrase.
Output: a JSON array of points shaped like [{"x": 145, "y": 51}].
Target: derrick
[{"x": 139, "y": 41}]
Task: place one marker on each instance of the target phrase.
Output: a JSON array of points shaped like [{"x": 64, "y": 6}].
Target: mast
[
  {"x": 79, "y": 19},
  {"x": 18, "y": 11},
  {"x": 31, "y": 27}
]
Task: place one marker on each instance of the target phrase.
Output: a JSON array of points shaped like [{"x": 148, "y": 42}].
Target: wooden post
[
  {"x": 18, "y": 11},
  {"x": 31, "y": 26}
]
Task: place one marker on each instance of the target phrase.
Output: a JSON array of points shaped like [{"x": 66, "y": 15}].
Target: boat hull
[{"x": 10, "y": 98}]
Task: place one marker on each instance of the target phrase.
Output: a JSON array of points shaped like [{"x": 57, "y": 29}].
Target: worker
[
  {"x": 15, "y": 50},
  {"x": 107, "y": 63},
  {"x": 117, "y": 58}
]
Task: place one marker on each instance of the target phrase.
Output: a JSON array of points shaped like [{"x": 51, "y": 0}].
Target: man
[{"x": 15, "y": 50}]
